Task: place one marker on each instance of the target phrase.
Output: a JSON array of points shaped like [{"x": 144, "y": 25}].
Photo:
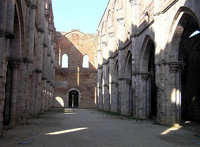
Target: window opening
[
  {"x": 64, "y": 61},
  {"x": 85, "y": 61}
]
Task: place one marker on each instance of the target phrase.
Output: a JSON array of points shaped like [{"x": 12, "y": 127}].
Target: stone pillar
[
  {"x": 173, "y": 98},
  {"x": 32, "y": 29},
  {"x": 141, "y": 97},
  {"x": 112, "y": 85},
  {"x": 3, "y": 9},
  {"x": 99, "y": 85},
  {"x": 113, "y": 96},
  {"x": 15, "y": 63},
  {"x": 135, "y": 85},
  {"x": 43, "y": 103},
  {"x": 22, "y": 85},
  {"x": 2, "y": 102},
  {"x": 145, "y": 96},
  {"x": 124, "y": 90},
  {"x": 161, "y": 74},
  {"x": 29, "y": 87},
  {"x": 106, "y": 96},
  {"x": 47, "y": 96}
]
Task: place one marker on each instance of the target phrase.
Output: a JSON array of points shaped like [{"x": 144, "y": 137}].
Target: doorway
[
  {"x": 152, "y": 82},
  {"x": 73, "y": 99}
]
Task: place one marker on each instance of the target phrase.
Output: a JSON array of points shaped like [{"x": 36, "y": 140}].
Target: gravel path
[{"x": 93, "y": 128}]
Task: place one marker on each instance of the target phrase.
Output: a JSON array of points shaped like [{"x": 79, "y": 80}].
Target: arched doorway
[
  {"x": 128, "y": 74},
  {"x": 14, "y": 61},
  {"x": 73, "y": 99},
  {"x": 148, "y": 78},
  {"x": 189, "y": 57},
  {"x": 152, "y": 82},
  {"x": 184, "y": 69}
]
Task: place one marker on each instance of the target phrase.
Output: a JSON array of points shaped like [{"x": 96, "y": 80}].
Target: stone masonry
[
  {"x": 27, "y": 56},
  {"x": 148, "y": 60}
]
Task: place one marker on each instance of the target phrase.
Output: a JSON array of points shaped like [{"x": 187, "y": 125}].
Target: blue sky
[{"x": 83, "y": 15}]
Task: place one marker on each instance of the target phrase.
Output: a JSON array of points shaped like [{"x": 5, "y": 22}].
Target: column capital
[
  {"x": 111, "y": 34},
  {"x": 174, "y": 66},
  {"x": 120, "y": 20},
  {"x": 15, "y": 62},
  {"x": 134, "y": 2},
  {"x": 28, "y": 3},
  {"x": 104, "y": 44},
  {"x": 145, "y": 76}
]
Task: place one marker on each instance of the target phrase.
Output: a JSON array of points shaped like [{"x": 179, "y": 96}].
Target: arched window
[
  {"x": 85, "y": 61},
  {"x": 65, "y": 61}
]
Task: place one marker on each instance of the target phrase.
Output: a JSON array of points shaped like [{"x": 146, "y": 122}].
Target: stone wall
[
  {"x": 27, "y": 54},
  {"x": 150, "y": 56},
  {"x": 75, "y": 77}
]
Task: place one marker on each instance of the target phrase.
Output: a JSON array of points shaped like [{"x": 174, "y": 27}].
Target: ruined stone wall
[
  {"x": 27, "y": 48},
  {"x": 141, "y": 46},
  {"x": 75, "y": 77}
]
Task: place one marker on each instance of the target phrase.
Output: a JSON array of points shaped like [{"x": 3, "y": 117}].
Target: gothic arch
[
  {"x": 176, "y": 31},
  {"x": 183, "y": 62},
  {"x": 148, "y": 76},
  {"x": 145, "y": 53},
  {"x": 18, "y": 32},
  {"x": 110, "y": 19},
  {"x": 128, "y": 65},
  {"x": 116, "y": 67}
]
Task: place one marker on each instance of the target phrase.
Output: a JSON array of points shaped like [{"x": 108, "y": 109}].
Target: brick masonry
[{"x": 83, "y": 80}]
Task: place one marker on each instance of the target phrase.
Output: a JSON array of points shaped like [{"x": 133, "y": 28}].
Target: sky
[{"x": 83, "y": 15}]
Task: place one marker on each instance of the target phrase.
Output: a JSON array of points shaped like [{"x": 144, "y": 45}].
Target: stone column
[
  {"x": 99, "y": 85},
  {"x": 135, "y": 85},
  {"x": 43, "y": 95},
  {"x": 140, "y": 97},
  {"x": 173, "y": 96},
  {"x": 117, "y": 104},
  {"x": 145, "y": 96},
  {"x": 29, "y": 87},
  {"x": 112, "y": 85},
  {"x": 3, "y": 9},
  {"x": 161, "y": 73},
  {"x": 125, "y": 101},
  {"x": 2, "y": 102},
  {"x": 47, "y": 96},
  {"x": 106, "y": 96},
  {"x": 15, "y": 63}
]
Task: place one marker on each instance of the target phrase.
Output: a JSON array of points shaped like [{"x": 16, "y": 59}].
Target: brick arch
[{"x": 73, "y": 31}]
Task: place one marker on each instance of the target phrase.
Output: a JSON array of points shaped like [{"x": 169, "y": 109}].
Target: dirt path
[{"x": 91, "y": 128}]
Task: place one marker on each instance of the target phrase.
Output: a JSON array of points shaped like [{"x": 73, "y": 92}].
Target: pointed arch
[
  {"x": 128, "y": 65},
  {"x": 110, "y": 19},
  {"x": 147, "y": 47},
  {"x": 183, "y": 52}
]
